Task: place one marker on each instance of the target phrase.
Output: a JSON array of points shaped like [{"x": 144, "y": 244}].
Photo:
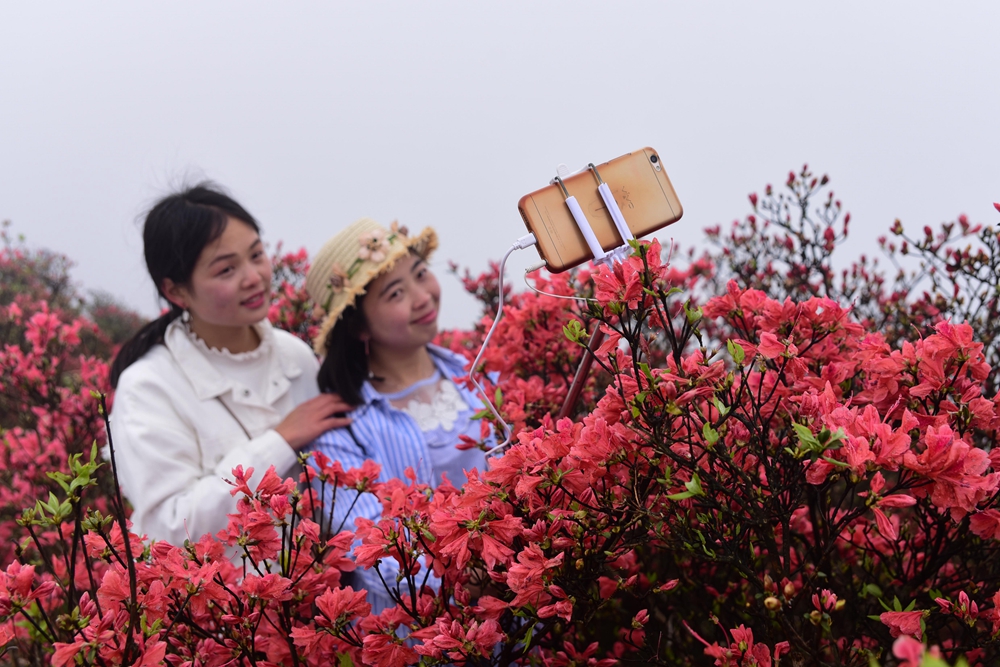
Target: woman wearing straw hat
[{"x": 382, "y": 303}]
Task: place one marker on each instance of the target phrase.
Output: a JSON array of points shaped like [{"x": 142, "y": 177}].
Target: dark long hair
[
  {"x": 176, "y": 230},
  {"x": 345, "y": 367}
]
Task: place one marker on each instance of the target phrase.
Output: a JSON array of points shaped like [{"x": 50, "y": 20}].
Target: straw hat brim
[{"x": 422, "y": 244}]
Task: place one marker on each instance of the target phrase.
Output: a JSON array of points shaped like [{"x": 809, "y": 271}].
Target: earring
[
  {"x": 371, "y": 375},
  {"x": 185, "y": 315}
]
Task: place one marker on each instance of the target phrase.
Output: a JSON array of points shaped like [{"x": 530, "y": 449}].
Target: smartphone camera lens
[{"x": 654, "y": 159}]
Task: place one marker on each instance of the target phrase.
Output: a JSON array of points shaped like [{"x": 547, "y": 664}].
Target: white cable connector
[{"x": 525, "y": 241}]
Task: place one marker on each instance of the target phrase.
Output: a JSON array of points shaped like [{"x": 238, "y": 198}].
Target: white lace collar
[
  {"x": 433, "y": 402},
  {"x": 257, "y": 353}
]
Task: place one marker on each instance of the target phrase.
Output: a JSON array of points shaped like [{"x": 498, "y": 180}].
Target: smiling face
[
  {"x": 400, "y": 307},
  {"x": 230, "y": 287}
]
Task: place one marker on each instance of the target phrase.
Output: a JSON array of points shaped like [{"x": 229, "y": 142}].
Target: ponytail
[{"x": 145, "y": 340}]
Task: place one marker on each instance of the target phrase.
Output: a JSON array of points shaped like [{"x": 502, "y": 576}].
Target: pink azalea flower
[{"x": 903, "y": 622}]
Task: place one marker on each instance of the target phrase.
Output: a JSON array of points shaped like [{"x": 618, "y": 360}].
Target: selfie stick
[
  {"x": 619, "y": 253},
  {"x": 600, "y": 255}
]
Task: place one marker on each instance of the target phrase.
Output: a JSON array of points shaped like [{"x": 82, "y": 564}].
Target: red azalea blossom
[{"x": 903, "y": 622}]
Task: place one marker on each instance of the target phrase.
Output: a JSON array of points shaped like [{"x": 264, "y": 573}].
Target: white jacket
[{"x": 175, "y": 442}]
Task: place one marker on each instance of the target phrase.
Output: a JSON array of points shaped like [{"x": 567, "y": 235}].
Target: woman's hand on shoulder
[{"x": 312, "y": 419}]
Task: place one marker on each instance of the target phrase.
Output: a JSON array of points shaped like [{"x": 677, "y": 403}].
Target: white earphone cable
[{"x": 525, "y": 241}]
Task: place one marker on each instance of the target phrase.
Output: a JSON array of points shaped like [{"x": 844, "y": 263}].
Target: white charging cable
[
  {"x": 525, "y": 241},
  {"x": 578, "y": 299}
]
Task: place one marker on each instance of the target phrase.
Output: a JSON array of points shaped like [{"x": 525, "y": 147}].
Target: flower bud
[
  {"x": 772, "y": 603},
  {"x": 789, "y": 590}
]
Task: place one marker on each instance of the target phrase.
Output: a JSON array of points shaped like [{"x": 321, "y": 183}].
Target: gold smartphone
[{"x": 641, "y": 188}]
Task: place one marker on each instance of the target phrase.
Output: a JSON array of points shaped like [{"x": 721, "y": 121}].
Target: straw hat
[{"x": 345, "y": 265}]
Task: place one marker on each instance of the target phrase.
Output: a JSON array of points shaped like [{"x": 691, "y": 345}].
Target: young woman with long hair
[
  {"x": 382, "y": 302},
  {"x": 209, "y": 385}
]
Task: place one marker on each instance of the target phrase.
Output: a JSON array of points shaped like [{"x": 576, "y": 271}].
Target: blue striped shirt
[{"x": 391, "y": 438}]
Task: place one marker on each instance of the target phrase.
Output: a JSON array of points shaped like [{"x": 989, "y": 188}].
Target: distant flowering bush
[
  {"x": 49, "y": 364},
  {"x": 770, "y": 465},
  {"x": 290, "y": 307}
]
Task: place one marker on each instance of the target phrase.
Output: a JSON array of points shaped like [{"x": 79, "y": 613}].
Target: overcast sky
[{"x": 444, "y": 114}]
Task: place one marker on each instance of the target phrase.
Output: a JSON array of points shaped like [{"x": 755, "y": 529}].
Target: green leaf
[
  {"x": 830, "y": 440},
  {"x": 736, "y": 351},
  {"x": 693, "y": 316},
  {"x": 574, "y": 331},
  {"x": 720, "y": 406},
  {"x": 528, "y": 636},
  {"x": 694, "y": 486},
  {"x": 498, "y": 398},
  {"x": 59, "y": 478},
  {"x": 710, "y": 434},
  {"x": 806, "y": 437},
  {"x": 931, "y": 661}
]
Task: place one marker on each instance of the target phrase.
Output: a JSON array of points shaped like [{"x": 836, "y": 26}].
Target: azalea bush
[
  {"x": 775, "y": 461},
  {"x": 52, "y": 357}
]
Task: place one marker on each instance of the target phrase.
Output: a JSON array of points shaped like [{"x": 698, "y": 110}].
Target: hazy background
[{"x": 446, "y": 113}]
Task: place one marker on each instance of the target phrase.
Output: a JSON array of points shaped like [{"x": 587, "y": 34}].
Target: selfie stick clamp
[{"x": 600, "y": 254}]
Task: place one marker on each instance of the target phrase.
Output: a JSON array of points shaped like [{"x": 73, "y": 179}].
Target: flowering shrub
[
  {"x": 290, "y": 307},
  {"x": 49, "y": 363},
  {"x": 757, "y": 475}
]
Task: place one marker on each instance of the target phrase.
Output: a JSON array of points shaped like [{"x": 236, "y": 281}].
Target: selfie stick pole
[
  {"x": 600, "y": 255},
  {"x": 596, "y": 338},
  {"x": 582, "y": 371}
]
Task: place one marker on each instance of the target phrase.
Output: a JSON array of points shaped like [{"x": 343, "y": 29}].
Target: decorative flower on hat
[
  {"x": 374, "y": 246},
  {"x": 399, "y": 229},
  {"x": 338, "y": 278}
]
